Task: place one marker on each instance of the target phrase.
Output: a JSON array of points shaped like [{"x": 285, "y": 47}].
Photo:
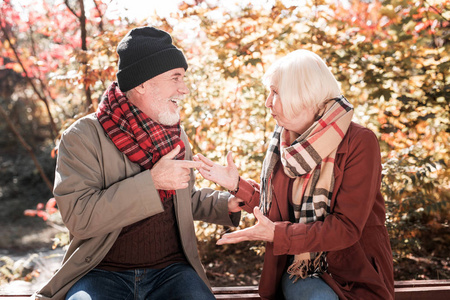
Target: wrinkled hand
[
  {"x": 264, "y": 230},
  {"x": 234, "y": 204},
  {"x": 228, "y": 176},
  {"x": 170, "y": 174}
]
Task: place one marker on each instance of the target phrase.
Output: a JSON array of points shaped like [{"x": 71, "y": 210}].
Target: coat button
[{"x": 88, "y": 259}]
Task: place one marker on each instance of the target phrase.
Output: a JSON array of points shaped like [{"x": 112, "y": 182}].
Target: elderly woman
[{"x": 319, "y": 206}]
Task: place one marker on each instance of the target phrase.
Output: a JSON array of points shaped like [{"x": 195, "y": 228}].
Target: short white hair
[
  {"x": 302, "y": 80},
  {"x": 129, "y": 93}
]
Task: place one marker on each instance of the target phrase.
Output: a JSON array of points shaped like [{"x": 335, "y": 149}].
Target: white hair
[
  {"x": 129, "y": 93},
  {"x": 303, "y": 80}
]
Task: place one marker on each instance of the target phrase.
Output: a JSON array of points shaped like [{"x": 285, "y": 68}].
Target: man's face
[{"x": 161, "y": 96}]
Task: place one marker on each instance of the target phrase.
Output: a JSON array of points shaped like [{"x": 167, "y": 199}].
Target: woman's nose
[{"x": 269, "y": 101}]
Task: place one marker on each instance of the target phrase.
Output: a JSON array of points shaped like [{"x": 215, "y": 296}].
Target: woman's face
[{"x": 299, "y": 124}]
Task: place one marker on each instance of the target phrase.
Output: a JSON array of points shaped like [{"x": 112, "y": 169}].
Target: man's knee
[{"x": 78, "y": 295}]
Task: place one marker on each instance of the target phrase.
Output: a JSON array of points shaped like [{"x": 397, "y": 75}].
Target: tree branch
[
  {"x": 27, "y": 147},
  {"x": 71, "y": 9},
  {"x": 54, "y": 131},
  {"x": 84, "y": 60},
  {"x": 436, "y": 10}
]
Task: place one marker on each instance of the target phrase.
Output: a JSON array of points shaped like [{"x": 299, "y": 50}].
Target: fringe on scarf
[{"x": 300, "y": 269}]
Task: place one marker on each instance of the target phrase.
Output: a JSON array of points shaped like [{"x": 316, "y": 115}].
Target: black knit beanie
[{"x": 144, "y": 53}]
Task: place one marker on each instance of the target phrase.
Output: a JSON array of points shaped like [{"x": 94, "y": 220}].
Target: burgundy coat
[{"x": 359, "y": 257}]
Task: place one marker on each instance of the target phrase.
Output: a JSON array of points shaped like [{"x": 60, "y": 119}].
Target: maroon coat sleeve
[
  {"x": 249, "y": 192},
  {"x": 355, "y": 198}
]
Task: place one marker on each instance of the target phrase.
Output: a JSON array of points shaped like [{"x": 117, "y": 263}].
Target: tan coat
[
  {"x": 99, "y": 191},
  {"x": 359, "y": 254}
]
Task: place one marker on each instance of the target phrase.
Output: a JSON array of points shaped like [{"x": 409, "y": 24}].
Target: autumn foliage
[
  {"x": 43, "y": 211},
  {"x": 391, "y": 58}
]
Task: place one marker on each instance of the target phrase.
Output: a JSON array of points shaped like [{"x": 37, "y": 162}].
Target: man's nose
[{"x": 183, "y": 89}]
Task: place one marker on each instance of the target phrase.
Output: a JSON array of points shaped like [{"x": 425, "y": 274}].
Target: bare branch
[
  {"x": 54, "y": 130},
  {"x": 71, "y": 9},
  {"x": 27, "y": 147}
]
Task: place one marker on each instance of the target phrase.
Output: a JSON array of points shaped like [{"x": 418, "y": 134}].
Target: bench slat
[
  {"x": 404, "y": 290},
  {"x": 238, "y": 296},
  {"x": 423, "y": 293},
  {"x": 419, "y": 283},
  {"x": 235, "y": 289}
]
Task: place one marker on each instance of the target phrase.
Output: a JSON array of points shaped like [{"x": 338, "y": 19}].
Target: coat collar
[
  {"x": 343, "y": 146},
  {"x": 281, "y": 181},
  {"x": 342, "y": 149}
]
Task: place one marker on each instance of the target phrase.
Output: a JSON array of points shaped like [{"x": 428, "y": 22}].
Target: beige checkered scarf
[{"x": 309, "y": 158}]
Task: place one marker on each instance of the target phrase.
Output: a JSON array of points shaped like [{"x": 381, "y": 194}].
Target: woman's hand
[
  {"x": 234, "y": 204},
  {"x": 228, "y": 176},
  {"x": 264, "y": 230}
]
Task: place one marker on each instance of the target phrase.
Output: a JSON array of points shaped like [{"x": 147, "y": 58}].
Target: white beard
[{"x": 168, "y": 118}]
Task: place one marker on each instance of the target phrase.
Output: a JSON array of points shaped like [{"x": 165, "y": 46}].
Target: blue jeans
[
  {"x": 306, "y": 289},
  {"x": 177, "y": 281}
]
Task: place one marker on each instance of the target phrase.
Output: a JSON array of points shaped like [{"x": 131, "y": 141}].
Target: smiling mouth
[{"x": 175, "y": 101}]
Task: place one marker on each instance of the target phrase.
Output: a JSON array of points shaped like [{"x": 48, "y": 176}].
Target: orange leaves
[
  {"x": 42, "y": 211},
  {"x": 231, "y": 45},
  {"x": 54, "y": 152},
  {"x": 50, "y": 206},
  {"x": 184, "y": 6},
  {"x": 421, "y": 127},
  {"x": 388, "y": 11},
  {"x": 249, "y": 29},
  {"x": 428, "y": 24},
  {"x": 14, "y": 66}
]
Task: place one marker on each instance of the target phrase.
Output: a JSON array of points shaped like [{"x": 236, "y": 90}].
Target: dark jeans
[{"x": 177, "y": 281}]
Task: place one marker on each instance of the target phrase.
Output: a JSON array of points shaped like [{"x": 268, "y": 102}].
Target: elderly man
[{"x": 125, "y": 186}]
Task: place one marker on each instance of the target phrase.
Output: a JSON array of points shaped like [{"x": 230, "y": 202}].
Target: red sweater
[{"x": 150, "y": 243}]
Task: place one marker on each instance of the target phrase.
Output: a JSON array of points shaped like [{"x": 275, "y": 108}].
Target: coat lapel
[
  {"x": 341, "y": 153},
  {"x": 280, "y": 207}
]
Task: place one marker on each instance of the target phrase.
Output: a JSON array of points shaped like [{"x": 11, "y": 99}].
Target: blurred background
[{"x": 391, "y": 57}]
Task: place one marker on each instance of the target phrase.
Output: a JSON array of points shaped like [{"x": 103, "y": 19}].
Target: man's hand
[
  {"x": 228, "y": 176},
  {"x": 170, "y": 174},
  {"x": 234, "y": 204},
  {"x": 264, "y": 230}
]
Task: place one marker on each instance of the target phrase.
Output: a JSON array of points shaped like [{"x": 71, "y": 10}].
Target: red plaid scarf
[
  {"x": 137, "y": 136},
  {"x": 309, "y": 158}
]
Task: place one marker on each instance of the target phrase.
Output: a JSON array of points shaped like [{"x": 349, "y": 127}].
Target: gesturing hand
[
  {"x": 227, "y": 177},
  {"x": 264, "y": 230},
  {"x": 234, "y": 204},
  {"x": 170, "y": 174}
]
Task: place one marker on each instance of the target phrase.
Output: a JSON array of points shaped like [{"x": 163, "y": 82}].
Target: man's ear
[{"x": 140, "y": 89}]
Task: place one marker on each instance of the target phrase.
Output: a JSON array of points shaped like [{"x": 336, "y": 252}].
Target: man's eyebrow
[{"x": 176, "y": 74}]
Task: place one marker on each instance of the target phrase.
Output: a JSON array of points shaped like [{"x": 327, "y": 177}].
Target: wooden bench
[
  {"x": 404, "y": 290},
  {"x": 422, "y": 290}
]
